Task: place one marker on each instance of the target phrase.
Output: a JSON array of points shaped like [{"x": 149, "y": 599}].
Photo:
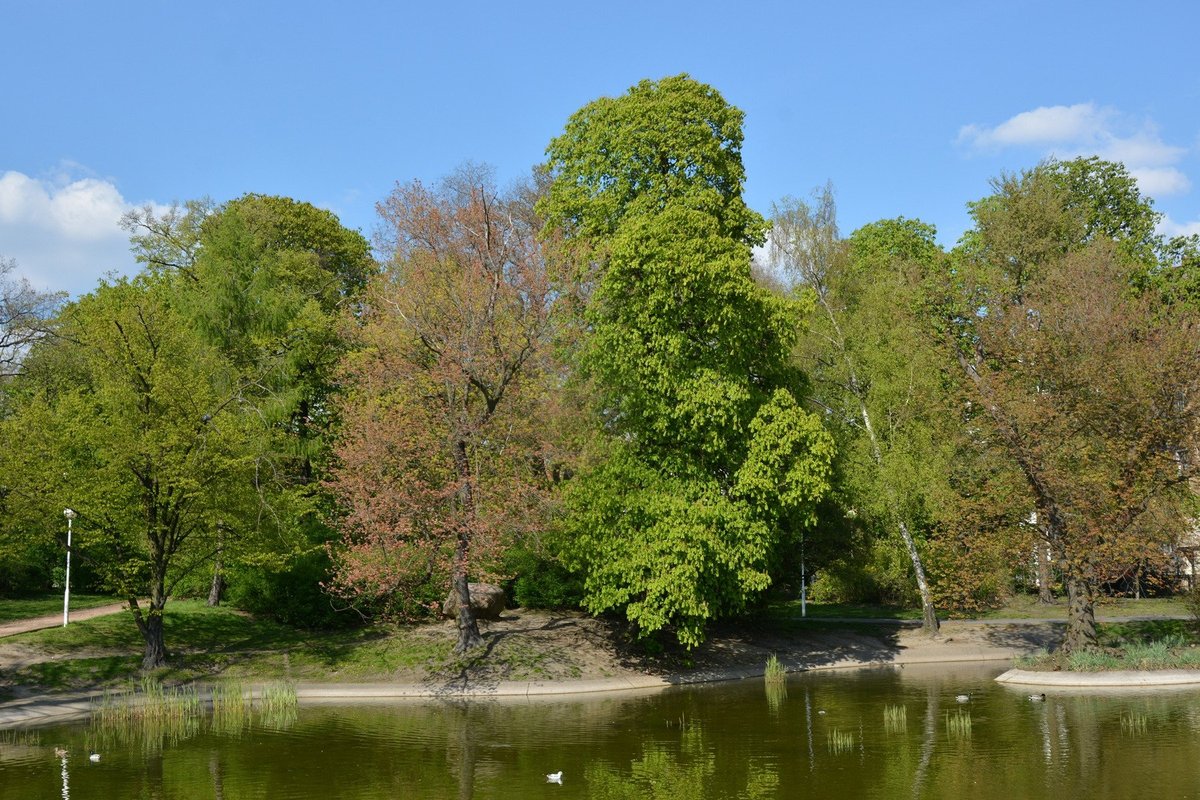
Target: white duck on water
[{"x": 554, "y": 777}]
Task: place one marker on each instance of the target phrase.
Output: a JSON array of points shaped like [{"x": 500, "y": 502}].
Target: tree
[
  {"x": 438, "y": 460},
  {"x": 872, "y": 368},
  {"x": 1089, "y": 384},
  {"x": 133, "y": 421},
  {"x": 24, "y": 317},
  {"x": 266, "y": 280},
  {"x": 703, "y": 460}
]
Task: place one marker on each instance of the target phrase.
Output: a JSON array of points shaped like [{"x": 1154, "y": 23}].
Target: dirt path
[{"x": 55, "y": 620}]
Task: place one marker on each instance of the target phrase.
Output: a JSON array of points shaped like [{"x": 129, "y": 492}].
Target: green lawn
[
  {"x": 42, "y": 605},
  {"x": 220, "y": 644},
  {"x": 1020, "y": 607}
]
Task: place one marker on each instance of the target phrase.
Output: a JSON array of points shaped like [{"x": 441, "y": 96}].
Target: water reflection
[
  {"x": 876, "y": 734},
  {"x": 684, "y": 772}
]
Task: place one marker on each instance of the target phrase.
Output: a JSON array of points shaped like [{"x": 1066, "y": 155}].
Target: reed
[
  {"x": 776, "y": 694},
  {"x": 958, "y": 724},
  {"x": 278, "y": 705},
  {"x": 231, "y": 708},
  {"x": 895, "y": 719},
  {"x": 775, "y": 672},
  {"x": 839, "y": 741},
  {"x": 1133, "y": 723},
  {"x": 15, "y": 737}
]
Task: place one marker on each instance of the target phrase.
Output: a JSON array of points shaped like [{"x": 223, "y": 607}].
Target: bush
[
  {"x": 1191, "y": 602},
  {"x": 541, "y": 581},
  {"x": 292, "y": 595}
]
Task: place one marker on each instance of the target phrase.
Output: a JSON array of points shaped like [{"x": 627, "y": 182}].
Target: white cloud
[
  {"x": 1160, "y": 181},
  {"x": 1169, "y": 227},
  {"x": 1086, "y": 130},
  {"x": 63, "y": 233},
  {"x": 1046, "y": 125}
]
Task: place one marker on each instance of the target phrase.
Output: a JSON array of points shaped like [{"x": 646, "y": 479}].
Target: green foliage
[
  {"x": 1191, "y": 602},
  {"x": 633, "y": 156},
  {"x": 290, "y": 593},
  {"x": 541, "y": 581},
  {"x": 703, "y": 458}
]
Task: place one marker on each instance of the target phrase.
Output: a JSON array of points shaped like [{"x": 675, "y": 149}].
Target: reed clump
[
  {"x": 895, "y": 719},
  {"x": 775, "y": 671},
  {"x": 1133, "y": 723},
  {"x": 839, "y": 741},
  {"x": 958, "y": 724}
]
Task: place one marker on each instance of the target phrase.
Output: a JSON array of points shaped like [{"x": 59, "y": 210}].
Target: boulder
[{"x": 487, "y": 601}]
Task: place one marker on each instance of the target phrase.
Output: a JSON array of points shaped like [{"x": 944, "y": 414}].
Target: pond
[{"x": 869, "y": 733}]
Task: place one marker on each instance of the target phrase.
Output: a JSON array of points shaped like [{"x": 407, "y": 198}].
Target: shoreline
[
  {"x": 728, "y": 656},
  {"x": 39, "y": 710},
  {"x": 1112, "y": 679}
]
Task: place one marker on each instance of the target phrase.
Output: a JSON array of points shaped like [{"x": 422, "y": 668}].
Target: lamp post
[{"x": 70, "y": 515}]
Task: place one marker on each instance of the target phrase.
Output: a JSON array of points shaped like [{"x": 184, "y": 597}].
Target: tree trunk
[
  {"x": 1044, "y": 575},
  {"x": 1081, "y": 615},
  {"x": 217, "y": 587},
  {"x": 468, "y": 628},
  {"x": 929, "y": 620},
  {"x": 150, "y": 624}
]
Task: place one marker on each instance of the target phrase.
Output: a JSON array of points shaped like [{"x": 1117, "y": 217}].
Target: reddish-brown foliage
[{"x": 439, "y": 463}]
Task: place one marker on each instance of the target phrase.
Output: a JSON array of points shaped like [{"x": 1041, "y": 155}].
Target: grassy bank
[
  {"x": 1018, "y": 607},
  {"x": 215, "y": 644},
  {"x": 1135, "y": 645},
  {"x": 13, "y": 609}
]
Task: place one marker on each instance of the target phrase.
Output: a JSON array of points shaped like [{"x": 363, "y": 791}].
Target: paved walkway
[{"x": 55, "y": 620}]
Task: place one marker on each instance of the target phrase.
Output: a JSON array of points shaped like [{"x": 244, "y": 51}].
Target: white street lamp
[{"x": 70, "y": 515}]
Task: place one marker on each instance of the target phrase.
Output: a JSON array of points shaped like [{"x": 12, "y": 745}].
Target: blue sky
[{"x": 908, "y": 108}]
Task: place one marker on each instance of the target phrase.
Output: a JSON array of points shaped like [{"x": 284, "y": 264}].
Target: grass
[
  {"x": 1137, "y": 645},
  {"x": 775, "y": 672},
  {"x": 1133, "y": 723},
  {"x": 218, "y": 643},
  {"x": 1018, "y": 607},
  {"x": 895, "y": 719},
  {"x": 839, "y": 741},
  {"x": 153, "y": 714},
  {"x": 13, "y": 609},
  {"x": 958, "y": 724}
]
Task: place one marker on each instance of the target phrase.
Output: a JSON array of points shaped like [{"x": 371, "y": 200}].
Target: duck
[
  {"x": 963, "y": 698},
  {"x": 554, "y": 777},
  {"x": 1037, "y": 698},
  {"x": 94, "y": 758},
  {"x": 60, "y": 752}
]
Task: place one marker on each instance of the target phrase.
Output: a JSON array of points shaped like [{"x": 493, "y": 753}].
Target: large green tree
[
  {"x": 267, "y": 281},
  {"x": 704, "y": 459},
  {"x": 135, "y": 422},
  {"x": 1089, "y": 383},
  {"x": 873, "y": 369}
]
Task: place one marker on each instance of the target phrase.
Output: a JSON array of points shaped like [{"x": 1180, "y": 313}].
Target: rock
[{"x": 487, "y": 601}]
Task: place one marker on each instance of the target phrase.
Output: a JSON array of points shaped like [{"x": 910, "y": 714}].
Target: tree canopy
[{"x": 703, "y": 457}]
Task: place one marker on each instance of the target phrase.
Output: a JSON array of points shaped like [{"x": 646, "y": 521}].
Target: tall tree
[
  {"x": 872, "y": 367},
  {"x": 1091, "y": 386},
  {"x": 25, "y": 315},
  {"x": 703, "y": 459},
  {"x": 266, "y": 280},
  {"x": 133, "y": 421},
  {"x": 438, "y": 461}
]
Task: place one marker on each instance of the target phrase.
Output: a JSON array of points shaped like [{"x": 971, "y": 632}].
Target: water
[{"x": 722, "y": 741}]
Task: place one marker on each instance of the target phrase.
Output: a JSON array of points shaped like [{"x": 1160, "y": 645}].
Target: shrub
[
  {"x": 541, "y": 581},
  {"x": 1191, "y": 601}
]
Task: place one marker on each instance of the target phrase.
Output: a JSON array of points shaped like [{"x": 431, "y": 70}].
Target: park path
[{"x": 55, "y": 620}]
